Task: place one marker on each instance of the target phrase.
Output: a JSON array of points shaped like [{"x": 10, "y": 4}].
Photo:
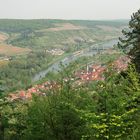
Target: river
[{"x": 90, "y": 51}]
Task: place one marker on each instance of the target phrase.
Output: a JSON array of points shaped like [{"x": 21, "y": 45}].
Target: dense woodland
[{"x": 100, "y": 110}]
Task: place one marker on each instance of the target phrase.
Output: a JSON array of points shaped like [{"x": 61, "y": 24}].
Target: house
[
  {"x": 22, "y": 95},
  {"x": 55, "y": 51},
  {"x": 13, "y": 97},
  {"x": 5, "y": 58},
  {"x": 28, "y": 95},
  {"x": 121, "y": 64}
]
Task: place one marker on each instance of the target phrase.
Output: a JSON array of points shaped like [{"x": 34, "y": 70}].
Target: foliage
[
  {"x": 116, "y": 109},
  {"x": 130, "y": 43}
]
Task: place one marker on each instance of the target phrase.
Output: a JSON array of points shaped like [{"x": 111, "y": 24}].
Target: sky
[{"x": 68, "y": 9}]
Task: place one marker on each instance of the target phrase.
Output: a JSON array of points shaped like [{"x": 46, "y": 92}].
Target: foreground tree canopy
[
  {"x": 130, "y": 43},
  {"x": 95, "y": 111}
]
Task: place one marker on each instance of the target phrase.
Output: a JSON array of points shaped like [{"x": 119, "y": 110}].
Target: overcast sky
[{"x": 68, "y": 9}]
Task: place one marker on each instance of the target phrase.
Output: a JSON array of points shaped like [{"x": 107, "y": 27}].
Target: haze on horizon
[{"x": 68, "y": 9}]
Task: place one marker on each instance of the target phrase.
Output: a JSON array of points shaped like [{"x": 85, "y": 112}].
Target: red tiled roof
[{"x": 22, "y": 94}]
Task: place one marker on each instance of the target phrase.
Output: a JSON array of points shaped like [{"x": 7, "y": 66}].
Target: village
[
  {"x": 92, "y": 72},
  {"x": 55, "y": 52}
]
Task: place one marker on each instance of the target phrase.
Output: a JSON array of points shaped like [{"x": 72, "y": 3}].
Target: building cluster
[
  {"x": 95, "y": 72},
  {"x": 40, "y": 90},
  {"x": 92, "y": 73},
  {"x": 55, "y": 51}
]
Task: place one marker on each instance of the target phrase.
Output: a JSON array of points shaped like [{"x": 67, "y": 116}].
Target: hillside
[{"x": 59, "y": 33}]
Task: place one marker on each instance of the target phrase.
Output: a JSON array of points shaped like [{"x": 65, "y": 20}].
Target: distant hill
[
  {"x": 17, "y": 25},
  {"x": 47, "y": 33}
]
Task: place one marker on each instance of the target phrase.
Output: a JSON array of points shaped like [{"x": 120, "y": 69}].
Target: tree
[
  {"x": 117, "y": 108},
  {"x": 55, "y": 116},
  {"x": 130, "y": 43}
]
